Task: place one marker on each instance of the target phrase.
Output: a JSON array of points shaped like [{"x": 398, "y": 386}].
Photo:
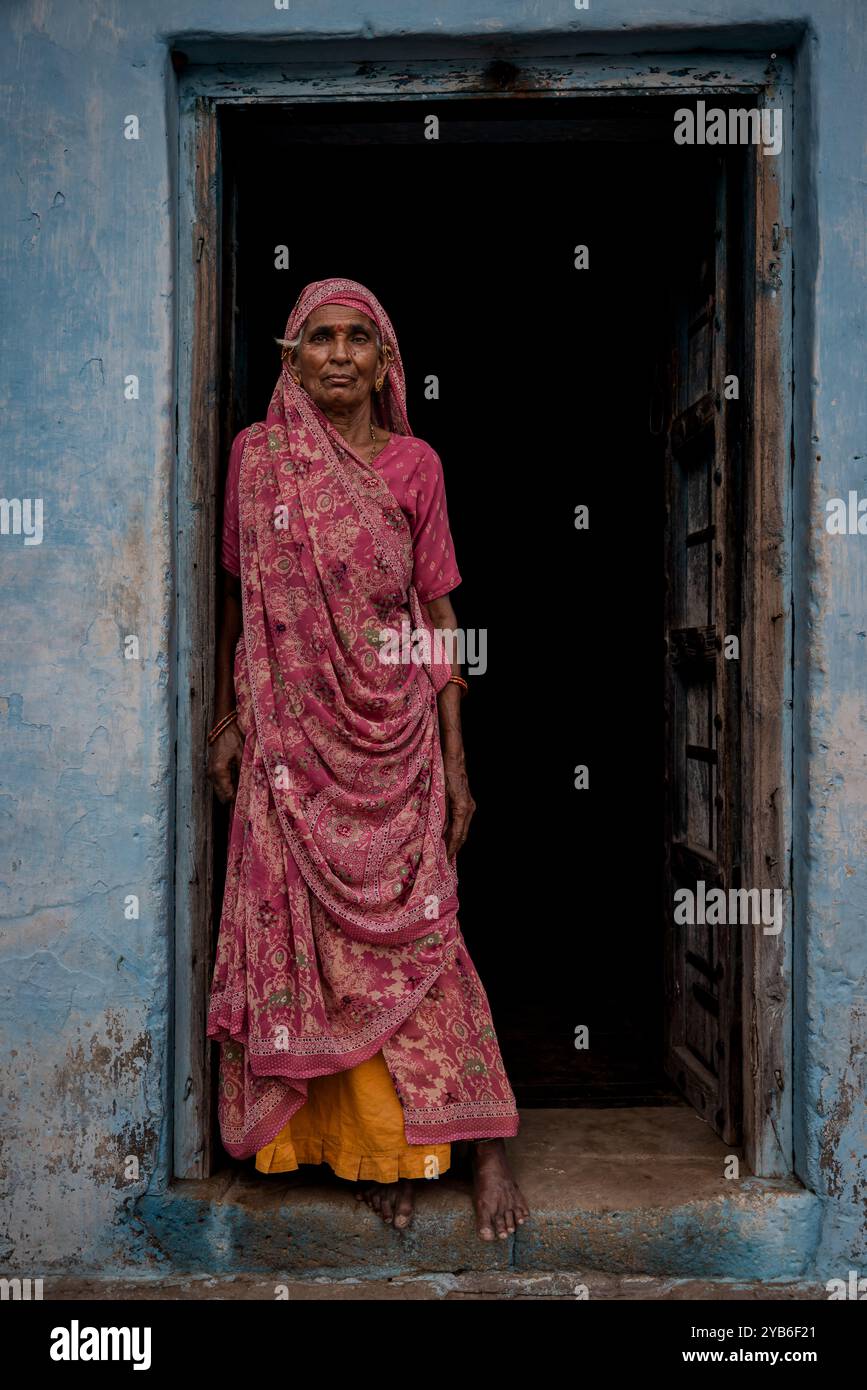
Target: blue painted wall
[{"x": 88, "y": 737}]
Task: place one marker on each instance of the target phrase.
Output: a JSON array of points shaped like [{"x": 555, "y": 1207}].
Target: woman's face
[{"x": 337, "y": 358}]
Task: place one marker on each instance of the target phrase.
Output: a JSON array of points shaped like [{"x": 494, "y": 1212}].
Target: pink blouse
[{"x": 414, "y": 475}]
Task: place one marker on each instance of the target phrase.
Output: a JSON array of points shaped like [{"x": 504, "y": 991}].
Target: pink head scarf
[{"x": 389, "y": 405}]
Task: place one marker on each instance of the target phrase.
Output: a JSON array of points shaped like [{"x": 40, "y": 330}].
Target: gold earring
[{"x": 378, "y": 382}]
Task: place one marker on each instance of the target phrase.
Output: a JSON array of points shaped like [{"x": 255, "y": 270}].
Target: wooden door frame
[{"x": 766, "y": 645}]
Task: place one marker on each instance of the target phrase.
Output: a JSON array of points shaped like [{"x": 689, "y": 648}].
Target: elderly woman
[{"x": 354, "y": 1028}]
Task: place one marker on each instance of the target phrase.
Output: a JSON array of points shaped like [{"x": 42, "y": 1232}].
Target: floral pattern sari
[{"x": 339, "y": 935}]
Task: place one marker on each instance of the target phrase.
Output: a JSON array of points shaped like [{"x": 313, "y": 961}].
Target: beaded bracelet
[{"x": 221, "y": 725}]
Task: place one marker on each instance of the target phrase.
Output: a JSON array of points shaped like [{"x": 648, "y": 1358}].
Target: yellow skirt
[{"x": 353, "y": 1121}]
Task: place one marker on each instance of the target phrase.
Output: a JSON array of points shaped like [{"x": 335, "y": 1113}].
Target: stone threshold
[{"x": 625, "y": 1192}]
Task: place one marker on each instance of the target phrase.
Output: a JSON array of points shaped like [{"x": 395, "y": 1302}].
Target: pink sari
[{"x": 339, "y": 935}]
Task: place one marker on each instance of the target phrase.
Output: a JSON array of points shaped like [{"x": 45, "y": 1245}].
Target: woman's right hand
[{"x": 224, "y": 762}]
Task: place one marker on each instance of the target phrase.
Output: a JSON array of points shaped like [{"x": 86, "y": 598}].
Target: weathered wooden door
[{"x": 702, "y": 610}]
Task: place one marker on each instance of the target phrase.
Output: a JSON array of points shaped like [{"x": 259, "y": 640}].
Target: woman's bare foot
[
  {"x": 393, "y": 1201},
  {"x": 499, "y": 1202}
]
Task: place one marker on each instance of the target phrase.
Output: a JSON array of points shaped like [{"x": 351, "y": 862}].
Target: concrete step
[
  {"x": 497, "y": 1285},
  {"x": 626, "y": 1191}
]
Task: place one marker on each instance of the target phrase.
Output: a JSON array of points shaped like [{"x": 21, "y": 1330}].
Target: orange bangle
[
  {"x": 459, "y": 680},
  {"x": 221, "y": 725}
]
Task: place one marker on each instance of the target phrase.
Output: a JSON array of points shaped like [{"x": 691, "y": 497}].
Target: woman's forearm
[
  {"x": 442, "y": 616},
  {"x": 449, "y": 703},
  {"x": 461, "y": 806},
  {"x": 231, "y": 626}
]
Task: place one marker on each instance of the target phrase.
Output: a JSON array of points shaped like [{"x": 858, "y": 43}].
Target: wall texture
[{"x": 87, "y": 736}]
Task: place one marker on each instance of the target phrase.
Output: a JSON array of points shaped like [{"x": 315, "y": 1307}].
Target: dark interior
[{"x": 546, "y": 377}]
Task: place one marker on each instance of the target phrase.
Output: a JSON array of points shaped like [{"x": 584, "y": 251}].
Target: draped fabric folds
[{"x": 339, "y": 935}]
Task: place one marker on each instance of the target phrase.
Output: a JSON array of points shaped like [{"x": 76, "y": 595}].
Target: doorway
[
  {"x": 542, "y": 404},
  {"x": 564, "y": 903}
]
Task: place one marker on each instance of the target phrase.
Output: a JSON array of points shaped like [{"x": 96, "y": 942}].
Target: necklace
[
  {"x": 377, "y": 445},
  {"x": 373, "y": 451}
]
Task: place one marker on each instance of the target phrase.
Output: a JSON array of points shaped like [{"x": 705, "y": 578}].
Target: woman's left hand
[{"x": 461, "y": 805}]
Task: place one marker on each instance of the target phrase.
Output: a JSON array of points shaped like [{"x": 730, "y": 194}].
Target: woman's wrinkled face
[{"x": 337, "y": 358}]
